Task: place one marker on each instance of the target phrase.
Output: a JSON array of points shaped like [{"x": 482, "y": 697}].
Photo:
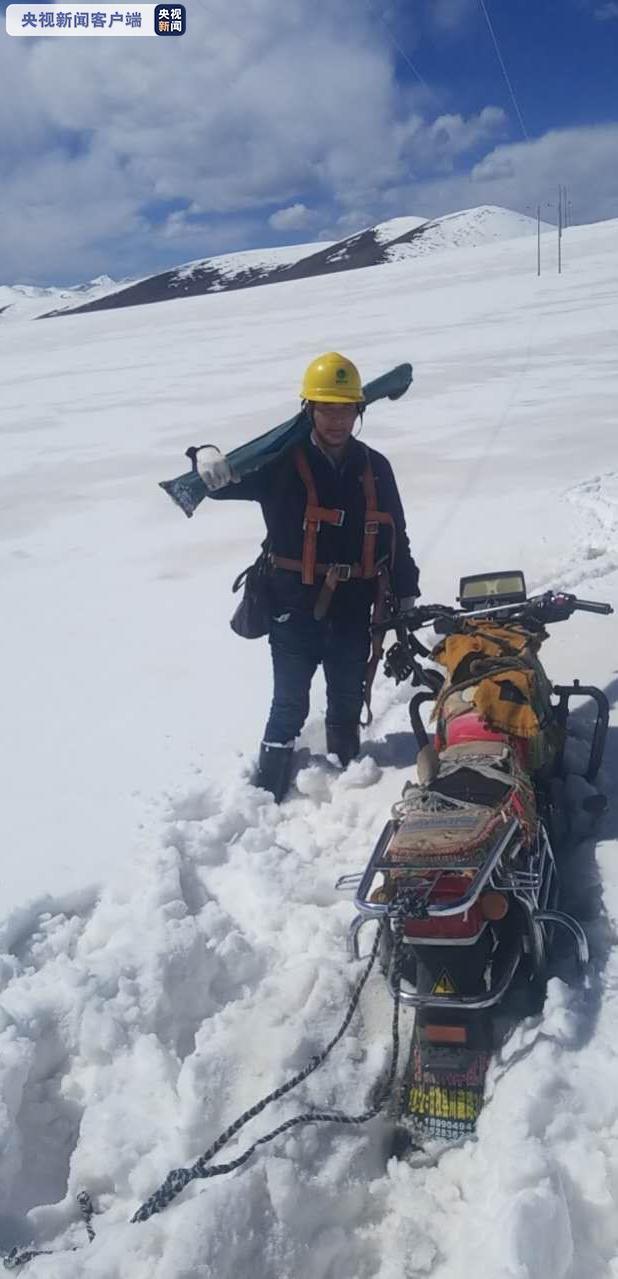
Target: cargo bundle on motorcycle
[
  {"x": 464, "y": 880},
  {"x": 469, "y": 855}
]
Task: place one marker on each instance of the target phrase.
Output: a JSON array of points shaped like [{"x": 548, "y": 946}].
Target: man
[{"x": 335, "y": 525}]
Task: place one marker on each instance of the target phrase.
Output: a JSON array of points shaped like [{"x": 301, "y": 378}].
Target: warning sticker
[
  {"x": 444, "y": 985},
  {"x": 445, "y": 1103}
]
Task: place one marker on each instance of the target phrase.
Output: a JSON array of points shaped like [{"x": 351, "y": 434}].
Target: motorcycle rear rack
[
  {"x": 532, "y": 890},
  {"x": 565, "y": 692},
  {"x": 461, "y": 1003},
  {"x": 474, "y": 1003},
  {"x": 532, "y": 880},
  {"x": 427, "y": 877},
  {"x": 572, "y": 926}
]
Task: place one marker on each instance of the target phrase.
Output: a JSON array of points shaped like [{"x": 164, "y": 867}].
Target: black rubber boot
[
  {"x": 343, "y": 740},
  {"x": 275, "y": 769}
]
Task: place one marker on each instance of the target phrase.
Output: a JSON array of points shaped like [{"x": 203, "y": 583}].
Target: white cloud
[
  {"x": 255, "y": 107},
  {"x": 247, "y": 110},
  {"x": 439, "y": 144},
  {"x": 266, "y": 104},
  {"x": 582, "y": 158},
  {"x": 521, "y": 175},
  {"x": 493, "y": 167},
  {"x": 517, "y": 176},
  {"x": 294, "y": 218}
]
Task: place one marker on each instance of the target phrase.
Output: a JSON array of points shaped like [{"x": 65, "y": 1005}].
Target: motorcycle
[{"x": 464, "y": 879}]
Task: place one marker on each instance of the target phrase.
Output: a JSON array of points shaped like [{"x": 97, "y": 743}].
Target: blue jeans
[{"x": 298, "y": 646}]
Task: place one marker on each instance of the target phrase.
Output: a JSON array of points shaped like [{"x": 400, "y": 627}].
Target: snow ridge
[
  {"x": 137, "y": 1021},
  {"x": 140, "y": 1007},
  {"x": 395, "y": 240},
  {"x": 468, "y": 229},
  {"x": 137, "y": 1026},
  {"x": 27, "y": 302}
]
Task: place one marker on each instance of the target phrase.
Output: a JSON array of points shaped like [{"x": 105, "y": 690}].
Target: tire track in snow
[
  {"x": 596, "y": 503},
  {"x": 199, "y": 981},
  {"x": 230, "y": 941}
]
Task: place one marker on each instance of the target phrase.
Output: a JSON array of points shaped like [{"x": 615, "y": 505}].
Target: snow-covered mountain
[
  {"x": 27, "y": 302},
  {"x": 232, "y": 266},
  {"x": 468, "y": 229},
  {"x": 218, "y": 274},
  {"x": 386, "y": 232},
  {"x": 171, "y": 944},
  {"x": 393, "y": 240}
]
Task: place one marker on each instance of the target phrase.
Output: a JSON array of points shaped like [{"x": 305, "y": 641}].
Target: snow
[
  {"x": 232, "y": 264},
  {"x": 26, "y": 301},
  {"x": 385, "y": 232},
  {"x": 23, "y": 301},
  {"x": 172, "y": 947},
  {"x": 479, "y": 226}
]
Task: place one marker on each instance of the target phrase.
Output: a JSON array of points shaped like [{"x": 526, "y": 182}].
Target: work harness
[
  {"x": 315, "y": 515},
  {"x": 367, "y": 568}
]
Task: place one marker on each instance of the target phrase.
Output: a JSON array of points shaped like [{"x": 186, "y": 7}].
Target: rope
[
  {"x": 424, "y": 801},
  {"x": 178, "y": 1178},
  {"x": 407, "y": 903},
  {"x": 15, "y": 1258},
  {"x": 19, "y": 1257},
  {"x": 87, "y": 1212}
]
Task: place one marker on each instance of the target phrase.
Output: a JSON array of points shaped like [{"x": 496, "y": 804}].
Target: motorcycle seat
[
  {"x": 460, "y": 811},
  {"x": 496, "y": 749}
]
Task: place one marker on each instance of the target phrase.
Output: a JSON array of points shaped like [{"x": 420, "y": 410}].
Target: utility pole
[
  {"x": 560, "y": 230},
  {"x": 538, "y": 239}
]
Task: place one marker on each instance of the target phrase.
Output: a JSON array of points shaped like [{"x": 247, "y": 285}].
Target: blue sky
[
  {"x": 561, "y": 57},
  {"x": 277, "y": 121}
]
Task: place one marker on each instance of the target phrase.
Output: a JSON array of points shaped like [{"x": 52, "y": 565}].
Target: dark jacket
[{"x": 282, "y": 495}]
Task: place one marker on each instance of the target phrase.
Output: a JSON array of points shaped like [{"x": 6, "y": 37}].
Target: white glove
[
  {"x": 407, "y": 603},
  {"x": 213, "y": 467}
]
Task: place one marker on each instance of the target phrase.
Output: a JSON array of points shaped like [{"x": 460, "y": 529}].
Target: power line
[
  {"x": 404, "y": 55},
  {"x": 504, "y": 70},
  {"x": 401, "y": 51}
]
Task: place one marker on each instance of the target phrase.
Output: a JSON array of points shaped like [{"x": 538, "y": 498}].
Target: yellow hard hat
[{"x": 332, "y": 379}]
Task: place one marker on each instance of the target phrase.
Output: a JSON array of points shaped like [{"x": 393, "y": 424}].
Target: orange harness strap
[
  {"x": 373, "y": 519},
  {"x": 316, "y": 515}
]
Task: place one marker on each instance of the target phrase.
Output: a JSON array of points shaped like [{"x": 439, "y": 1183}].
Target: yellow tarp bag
[
  {"x": 509, "y": 709},
  {"x": 502, "y": 713},
  {"x": 493, "y": 641}
]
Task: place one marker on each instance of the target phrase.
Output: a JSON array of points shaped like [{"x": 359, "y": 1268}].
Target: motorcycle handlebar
[
  {"x": 545, "y": 608},
  {"x": 592, "y": 606}
]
